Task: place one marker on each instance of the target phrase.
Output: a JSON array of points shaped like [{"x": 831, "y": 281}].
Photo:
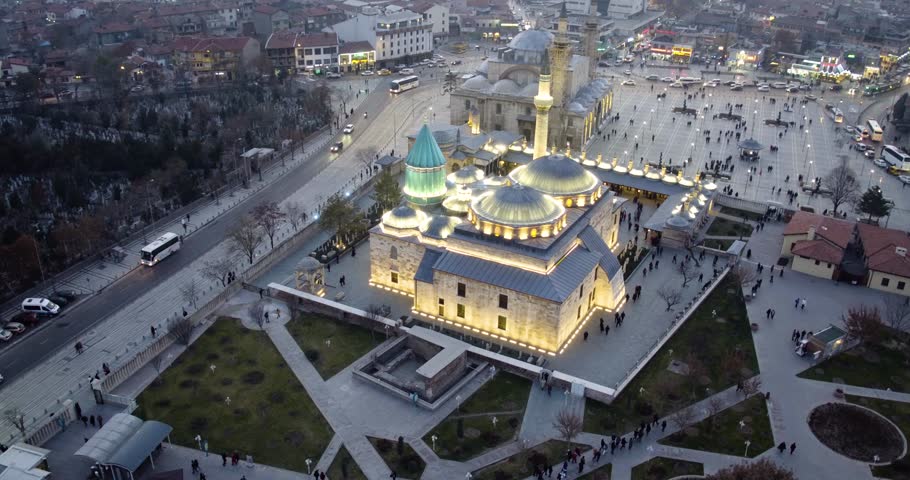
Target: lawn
[
  {"x": 348, "y": 342},
  {"x": 522, "y": 464},
  {"x": 269, "y": 415},
  {"x": 722, "y": 432},
  {"x": 602, "y": 471},
  {"x": 504, "y": 397},
  {"x": 741, "y": 213},
  {"x": 661, "y": 468},
  {"x": 407, "y": 464},
  {"x": 899, "y": 413},
  {"x": 719, "y": 244},
  {"x": 344, "y": 467},
  {"x": 729, "y": 228},
  {"x": 718, "y": 351},
  {"x": 882, "y": 366}
]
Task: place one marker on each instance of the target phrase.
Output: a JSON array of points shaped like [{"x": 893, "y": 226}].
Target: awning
[{"x": 125, "y": 441}]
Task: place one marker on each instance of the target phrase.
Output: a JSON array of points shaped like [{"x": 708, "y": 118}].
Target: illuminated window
[
  {"x": 578, "y": 316},
  {"x": 503, "y": 301},
  {"x": 462, "y": 290},
  {"x": 459, "y": 310},
  {"x": 442, "y": 307},
  {"x": 502, "y": 322},
  {"x": 394, "y": 277}
]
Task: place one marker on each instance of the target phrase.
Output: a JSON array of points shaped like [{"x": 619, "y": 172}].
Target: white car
[
  {"x": 629, "y": 83},
  {"x": 764, "y": 88},
  {"x": 367, "y": 73},
  {"x": 333, "y": 75},
  {"x": 14, "y": 327},
  {"x": 880, "y": 163},
  {"x": 667, "y": 80},
  {"x": 870, "y": 154},
  {"x": 710, "y": 84},
  {"x": 627, "y": 72},
  {"x": 676, "y": 85},
  {"x": 904, "y": 178},
  {"x": 811, "y": 97},
  {"x": 653, "y": 78},
  {"x": 6, "y": 335},
  {"x": 850, "y": 130},
  {"x": 406, "y": 71},
  {"x": 349, "y": 128}
]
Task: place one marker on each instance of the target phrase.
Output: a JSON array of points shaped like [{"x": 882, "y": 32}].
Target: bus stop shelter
[{"x": 124, "y": 443}]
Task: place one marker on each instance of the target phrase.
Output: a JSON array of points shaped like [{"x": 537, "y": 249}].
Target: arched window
[{"x": 393, "y": 253}]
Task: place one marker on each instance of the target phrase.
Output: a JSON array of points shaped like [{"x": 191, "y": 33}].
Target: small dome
[
  {"x": 439, "y": 226},
  {"x": 678, "y": 221},
  {"x": 530, "y": 90},
  {"x": 308, "y": 264},
  {"x": 535, "y": 40},
  {"x": 466, "y": 175},
  {"x": 403, "y": 218},
  {"x": 478, "y": 83},
  {"x": 497, "y": 181},
  {"x": 556, "y": 175},
  {"x": 506, "y": 87},
  {"x": 517, "y": 206}
]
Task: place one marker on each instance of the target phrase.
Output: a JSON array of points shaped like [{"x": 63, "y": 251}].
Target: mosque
[{"x": 520, "y": 255}]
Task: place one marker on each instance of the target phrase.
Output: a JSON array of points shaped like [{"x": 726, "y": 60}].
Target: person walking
[
  {"x": 223, "y": 459},
  {"x": 792, "y": 447},
  {"x": 663, "y": 426},
  {"x": 393, "y": 475},
  {"x": 100, "y": 422},
  {"x": 606, "y": 330},
  {"x": 782, "y": 447}
]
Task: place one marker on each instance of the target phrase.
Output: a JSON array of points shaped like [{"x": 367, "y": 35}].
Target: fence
[{"x": 674, "y": 326}]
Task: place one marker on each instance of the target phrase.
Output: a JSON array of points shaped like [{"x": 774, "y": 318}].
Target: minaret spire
[{"x": 543, "y": 101}]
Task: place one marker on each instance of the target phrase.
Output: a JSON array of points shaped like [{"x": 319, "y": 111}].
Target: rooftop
[{"x": 838, "y": 232}]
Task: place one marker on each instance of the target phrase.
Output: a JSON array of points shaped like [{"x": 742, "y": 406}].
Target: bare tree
[
  {"x": 715, "y": 406},
  {"x": 16, "y": 418},
  {"x": 762, "y": 469},
  {"x": 257, "y": 312},
  {"x": 246, "y": 237},
  {"x": 897, "y": 313},
  {"x": 294, "y": 214},
  {"x": 671, "y": 296},
  {"x": 181, "y": 329},
  {"x": 568, "y": 424},
  {"x": 683, "y": 418},
  {"x": 217, "y": 270},
  {"x": 688, "y": 271},
  {"x": 863, "y": 323},
  {"x": 270, "y": 217},
  {"x": 157, "y": 362},
  {"x": 743, "y": 274},
  {"x": 751, "y": 386},
  {"x": 190, "y": 292},
  {"x": 366, "y": 156},
  {"x": 842, "y": 183}
]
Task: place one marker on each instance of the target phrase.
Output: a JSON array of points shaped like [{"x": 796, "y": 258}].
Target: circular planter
[{"x": 857, "y": 432}]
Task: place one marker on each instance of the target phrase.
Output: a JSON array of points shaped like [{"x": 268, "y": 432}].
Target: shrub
[
  {"x": 513, "y": 422},
  {"x": 459, "y": 428},
  {"x": 643, "y": 408},
  {"x": 383, "y": 445},
  {"x": 312, "y": 355}
]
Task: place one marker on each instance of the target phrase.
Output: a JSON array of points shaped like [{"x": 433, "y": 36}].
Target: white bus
[
  {"x": 404, "y": 84},
  {"x": 875, "y": 131},
  {"x": 160, "y": 249},
  {"x": 689, "y": 80},
  {"x": 838, "y": 115},
  {"x": 896, "y": 158}
]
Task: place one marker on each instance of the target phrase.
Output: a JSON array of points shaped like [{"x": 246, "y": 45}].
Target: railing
[{"x": 677, "y": 322}]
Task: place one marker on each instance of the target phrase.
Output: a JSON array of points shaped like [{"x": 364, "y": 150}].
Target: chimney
[
  {"x": 902, "y": 251},
  {"x": 810, "y": 235}
]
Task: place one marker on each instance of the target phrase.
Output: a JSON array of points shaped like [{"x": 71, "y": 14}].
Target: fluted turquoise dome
[{"x": 425, "y": 153}]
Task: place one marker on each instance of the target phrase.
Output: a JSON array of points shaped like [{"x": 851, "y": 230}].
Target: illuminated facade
[
  {"x": 425, "y": 171},
  {"x": 521, "y": 261}
]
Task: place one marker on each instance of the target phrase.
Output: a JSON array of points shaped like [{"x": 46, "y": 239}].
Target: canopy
[
  {"x": 750, "y": 144},
  {"x": 125, "y": 441}
]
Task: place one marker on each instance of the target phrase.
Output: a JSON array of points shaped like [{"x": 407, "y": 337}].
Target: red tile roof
[
  {"x": 838, "y": 232},
  {"x": 194, "y": 44},
  {"x": 356, "y": 47},
  {"x": 818, "y": 250},
  {"x": 880, "y": 246},
  {"x": 266, "y": 9}
]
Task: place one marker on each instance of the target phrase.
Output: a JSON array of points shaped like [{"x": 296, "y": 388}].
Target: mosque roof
[
  {"x": 588, "y": 95},
  {"x": 425, "y": 153},
  {"x": 517, "y": 206},
  {"x": 536, "y": 40},
  {"x": 556, "y": 175},
  {"x": 404, "y": 218},
  {"x": 467, "y": 175},
  {"x": 439, "y": 226}
]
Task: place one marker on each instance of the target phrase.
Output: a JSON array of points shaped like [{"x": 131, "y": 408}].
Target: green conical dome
[{"x": 425, "y": 153}]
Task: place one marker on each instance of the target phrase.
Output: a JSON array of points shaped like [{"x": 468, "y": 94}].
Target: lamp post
[
  {"x": 38, "y": 256},
  {"x": 871, "y": 174},
  {"x": 148, "y": 202}
]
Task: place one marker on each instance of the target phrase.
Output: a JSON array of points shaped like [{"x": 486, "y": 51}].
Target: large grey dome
[
  {"x": 535, "y": 40},
  {"x": 506, "y": 87},
  {"x": 477, "y": 83},
  {"x": 517, "y": 206},
  {"x": 556, "y": 175}
]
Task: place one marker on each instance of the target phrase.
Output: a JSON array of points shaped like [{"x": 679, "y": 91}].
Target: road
[{"x": 23, "y": 355}]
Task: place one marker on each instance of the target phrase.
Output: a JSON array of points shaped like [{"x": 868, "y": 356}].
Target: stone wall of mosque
[{"x": 394, "y": 261}]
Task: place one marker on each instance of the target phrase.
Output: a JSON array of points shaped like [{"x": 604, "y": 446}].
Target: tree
[
  {"x": 683, "y": 419},
  {"x": 785, "y": 41},
  {"x": 341, "y": 217},
  {"x": 897, "y": 312},
  {"x": 270, "y": 218},
  {"x": 246, "y": 237},
  {"x": 181, "y": 329},
  {"x": 841, "y": 181},
  {"x": 218, "y": 269},
  {"x": 366, "y": 156},
  {"x": 387, "y": 192},
  {"x": 16, "y": 418},
  {"x": 688, "y": 271},
  {"x": 715, "y": 406},
  {"x": 568, "y": 424},
  {"x": 863, "y": 323},
  {"x": 874, "y": 204},
  {"x": 763, "y": 469},
  {"x": 671, "y": 296},
  {"x": 294, "y": 214},
  {"x": 743, "y": 274},
  {"x": 751, "y": 386},
  {"x": 190, "y": 292},
  {"x": 27, "y": 85}
]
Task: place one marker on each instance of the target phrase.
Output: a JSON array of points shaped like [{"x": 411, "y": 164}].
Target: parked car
[
  {"x": 25, "y": 318},
  {"x": 836, "y": 88},
  {"x": 849, "y": 129},
  {"x": 858, "y": 138},
  {"x": 676, "y": 85},
  {"x": 384, "y": 72},
  {"x": 603, "y": 64},
  {"x": 6, "y": 335},
  {"x": 880, "y": 163},
  {"x": 764, "y": 88},
  {"x": 456, "y": 62},
  {"x": 736, "y": 88},
  {"x": 14, "y": 327},
  {"x": 629, "y": 83},
  {"x": 811, "y": 97},
  {"x": 792, "y": 89},
  {"x": 349, "y": 128},
  {"x": 337, "y": 147},
  {"x": 40, "y": 306},
  {"x": 652, "y": 78},
  {"x": 406, "y": 71},
  {"x": 333, "y": 75},
  {"x": 667, "y": 80},
  {"x": 627, "y": 72},
  {"x": 905, "y": 179},
  {"x": 367, "y": 73},
  {"x": 870, "y": 154},
  {"x": 69, "y": 295},
  {"x": 59, "y": 300}
]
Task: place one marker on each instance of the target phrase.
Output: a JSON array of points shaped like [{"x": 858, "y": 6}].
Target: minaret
[
  {"x": 591, "y": 30},
  {"x": 560, "y": 53},
  {"x": 543, "y": 101}
]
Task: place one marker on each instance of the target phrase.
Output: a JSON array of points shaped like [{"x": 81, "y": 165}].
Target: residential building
[
  {"x": 622, "y": 9},
  {"x": 219, "y": 58},
  {"x": 268, "y": 19},
  {"x": 10, "y": 67},
  {"x": 113, "y": 34},
  {"x": 817, "y": 244},
  {"x": 316, "y": 19},
  {"x": 317, "y": 52},
  {"x": 885, "y": 257},
  {"x": 281, "y": 50},
  {"x": 400, "y": 37},
  {"x": 437, "y": 14}
]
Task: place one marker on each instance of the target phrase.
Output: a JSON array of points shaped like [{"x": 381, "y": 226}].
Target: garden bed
[
  {"x": 346, "y": 342},
  {"x": 723, "y": 227},
  {"x": 521, "y": 465},
  {"x": 882, "y": 366},
  {"x": 661, "y": 468},
  {"x": 722, "y": 433},
  {"x": 856, "y": 432},
  {"x": 899, "y": 413},
  {"x": 344, "y": 467},
  {"x": 405, "y": 463}
]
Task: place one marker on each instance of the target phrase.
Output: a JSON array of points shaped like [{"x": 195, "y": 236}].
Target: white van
[{"x": 40, "y": 306}]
